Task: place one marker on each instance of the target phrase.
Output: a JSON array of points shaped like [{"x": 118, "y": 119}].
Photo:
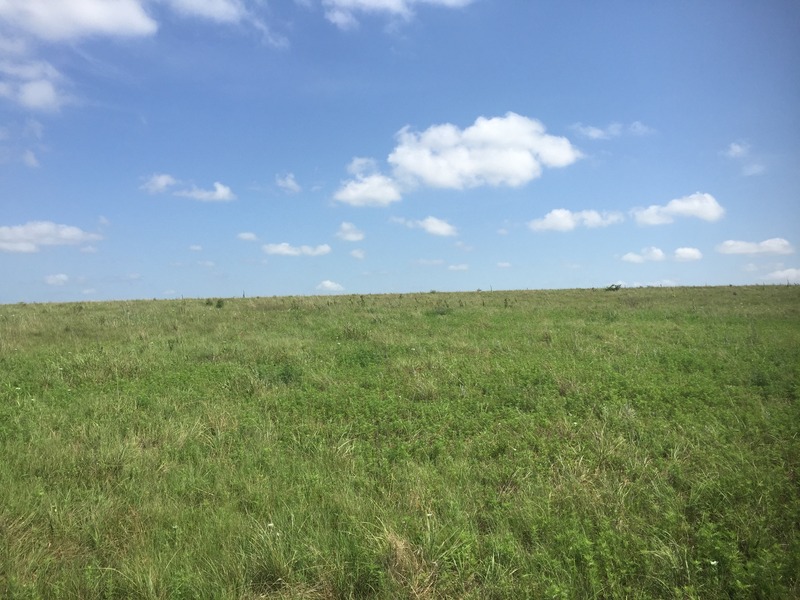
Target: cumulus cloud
[
  {"x": 770, "y": 246},
  {"x": 288, "y": 183},
  {"x": 688, "y": 254},
  {"x": 60, "y": 279},
  {"x": 561, "y": 219},
  {"x": 247, "y": 236},
  {"x": 510, "y": 150},
  {"x": 698, "y": 205},
  {"x": 31, "y": 236},
  {"x": 647, "y": 254},
  {"x": 285, "y": 249},
  {"x": 369, "y": 188},
  {"x": 67, "y": 20},
  {"x": 785, "y": 275},
  {"x": 430, "y": 225},
  {"x": 349, "y": 233},
  {"x": 220, "y": 193},
  {"x": 342, "y": 13},
  {"x": 330, "y": 286}
]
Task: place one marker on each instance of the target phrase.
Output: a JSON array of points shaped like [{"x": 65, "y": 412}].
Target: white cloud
[
  {"x": 196, "y": 248},
  {"x": 785, "y": 275},
  {"x": 34, "y": 234},
  {"x": 737, "y": 150},
  {"x": 753, "y": 169},
  {"x": 358, "y": 253},
  {"x": 509, "y": 150},
  {"x": 430, "y": 262},
  {"x": 349, "y": 233},
  {"x": 284, "y": 249},
  {"x": 330, "y": 286},
  {"x": 740, "y": 151},
  {"x": 639, "y": 128},
  {"x": 430, "y": 225},
  {"x": 561, "y": 219},
  {"x": 436, "y": 226},
  {"x": 32, "y": 84},
  {"x": 30, "y": 160},
  {"x": 369, "y": 188},
  {"x": 612, "y": 130},
  {"x": 342, "y": 13},
  {"x": 461, "y": 267},
  {"x": 688, "y": 254},
  {"x": 770, "y": 246},
  {"x": 247, "y": 236},
  {"x": 699, "y": 205},
  {"x": 504, "y": 265},
  {"x": 598, "y": 133},
  {"x": 220, "y": 193},
  {"x": 221, "y": 11},
  {"x": 288, "y": 183},
  {"x": 60, "y": 279},
  {"x": 647, "y": 254},
  {"x": 65, "y": 20},
  {"x": 158, "y": 183}
]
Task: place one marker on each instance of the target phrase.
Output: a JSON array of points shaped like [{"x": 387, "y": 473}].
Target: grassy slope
[{"x": 567, "y": 444}]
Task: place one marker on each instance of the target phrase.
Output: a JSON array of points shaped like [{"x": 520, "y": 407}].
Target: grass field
[{"x": 546, "y": 444}]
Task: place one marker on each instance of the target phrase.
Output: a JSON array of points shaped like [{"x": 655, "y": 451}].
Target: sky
[{"x": 220, "y": 148}]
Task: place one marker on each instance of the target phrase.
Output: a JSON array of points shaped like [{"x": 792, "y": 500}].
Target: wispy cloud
[
  {"x": 561, "y": 219},
  {"x": 741, "y": 153},
  {"x": 431, "y": 225},
  {"x": 288, "y": 183},
  {"x": 247, "y": 236},
  {"x": 612, "y": 130},
  {"x": 220, "y": 193},
  {"x": 57, "y": 280},
  {"x": 343, "y": 13},
  {"x": 646, "y": 255},
  {"x": 770, "y": 246},
  {"x": 160, "y": 183},
  {"x": 31, "y": 236},
  {"x": 698, "y": 205},
  {"x": 784, "y": 276},
  {"x": 285, "y": 249},
  {"x": 349, "y": 233},
  {"x": 32, "y": 84}
]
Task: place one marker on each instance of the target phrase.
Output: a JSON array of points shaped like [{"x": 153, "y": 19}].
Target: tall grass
[{"x": 551, "y": 444}]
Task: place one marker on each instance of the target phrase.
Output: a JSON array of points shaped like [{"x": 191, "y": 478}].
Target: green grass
[{"x": 641, "y": 443}]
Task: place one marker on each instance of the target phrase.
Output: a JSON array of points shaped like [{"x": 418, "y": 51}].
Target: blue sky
[{"x": 214, "y": 148}]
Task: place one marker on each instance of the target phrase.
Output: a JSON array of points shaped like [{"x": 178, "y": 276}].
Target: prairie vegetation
[{"x": 547, "y": 444}]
